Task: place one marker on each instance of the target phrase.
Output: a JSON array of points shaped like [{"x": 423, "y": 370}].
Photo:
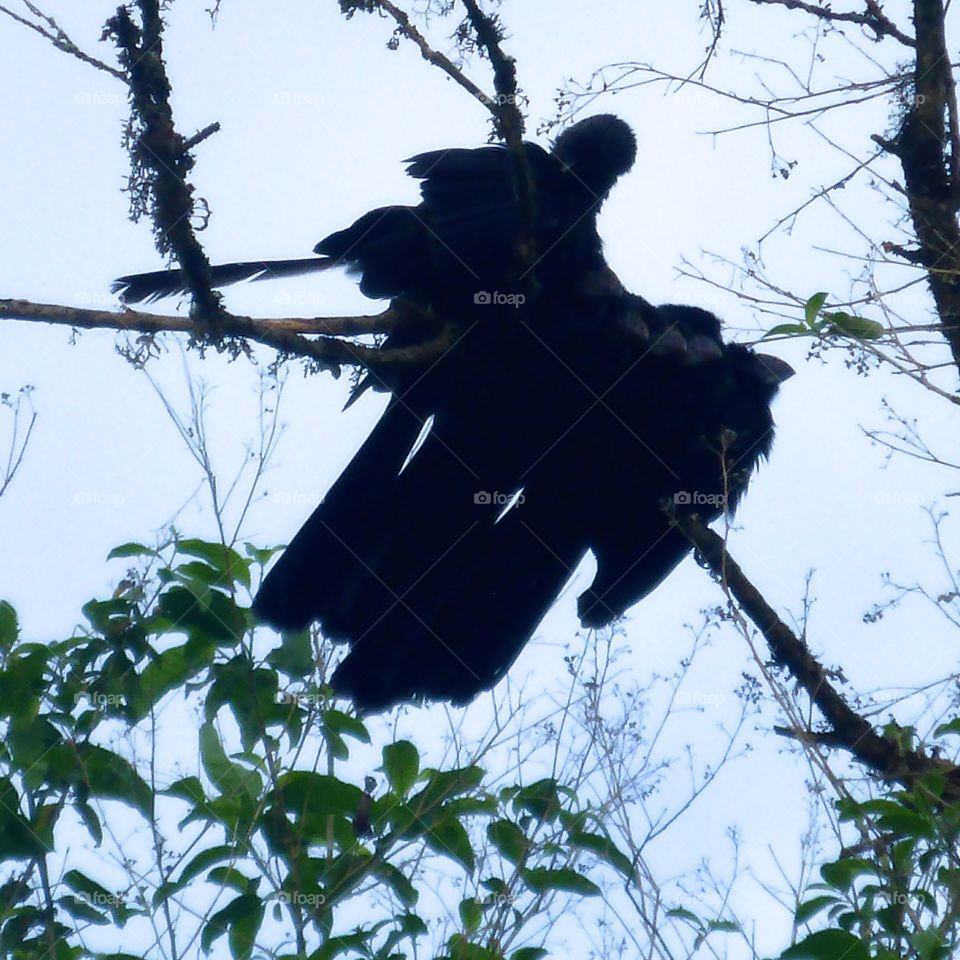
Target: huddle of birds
[{"x": 567, "y": 416}]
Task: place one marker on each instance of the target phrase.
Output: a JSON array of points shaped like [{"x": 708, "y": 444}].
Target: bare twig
[
  {"x": 19, "y": 435},
  {"x": 50, "y": 30},
  {"x": 438, "y": 59},
  {"x": 873, "y": 18}
]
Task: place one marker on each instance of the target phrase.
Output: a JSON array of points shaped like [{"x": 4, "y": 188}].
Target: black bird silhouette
[
  {"x": 582, "y": 405},
  {"x": 458, "y": 242}
]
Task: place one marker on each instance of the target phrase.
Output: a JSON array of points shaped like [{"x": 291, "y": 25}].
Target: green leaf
[
  {"x": 540, "y": 799},
  {"x": 810, "y": 908},
  {"x": 458, "y": 946},
  {"x": 201, "y": 862},
  {"x": 907, "y": 824},
  {"x": 225, "y": 560},
  {"x": 232, "y": 878},
  {"x": 294, "y": 656},
  {"x": 187, "y": 788},
  {"x": 928, "y": 944},
  {"x": 529, "y": 953},
  {"x": 830, "y": 944},
  {"x": 401, "y": 764},
  {"x": 23, "y": 682},
  {"x": 167, "y": 671},
  {"x": 952, "y": 726},
  {"x": 471, "y": 913},
  {"x": 681, "y": 913},
  {"x": 80, "y": 883},
  {"x": 304, "y": 793},
  {"x": 111, "y": 777},
  {"x": 509, "y": 840},
  {"x": 787, "y": 329},
  {"x": 603, "y": 847},
  {"x": 81, "y": 909},
  {"x": 228, "y": 778},
  {"x": 242, "y": 917},
  {"x": 131, "y": 550},
  {"x": 9, "y": 627},
  {"x": 17, "y": 839},
  {"x": 812, "y": 308},
  {"x": 540, "y": 879},
  {"x": 444, "y": 785},
  {"x": 496, "y": 886},
  {"x": 261, "y": 555},
  {"x": 448, "y": 837},
  {"x": 841, "y": 874},
  {"x": 406, "y": 892},
  {"x": 210, "y": 617},
  {"x": 344, "y": 724},
  {"x": 848, "y": 325},
  {"x": 90, "y": 820}
]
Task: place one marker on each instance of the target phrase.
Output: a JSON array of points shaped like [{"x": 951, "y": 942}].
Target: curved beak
[{"x": 775, "y": 369}]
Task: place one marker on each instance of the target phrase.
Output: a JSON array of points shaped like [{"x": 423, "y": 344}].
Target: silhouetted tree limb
[
  {"x": 284, "y": 335},
  {"x": 160, "y": 155},
  {"x": 848, "y": 729},
  {"x": 873, "y": 17},
  {"x": 49, "y": 29},
  {"x": 931, "y": 161}
]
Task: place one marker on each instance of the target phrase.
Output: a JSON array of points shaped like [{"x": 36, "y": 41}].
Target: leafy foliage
[
  {"x": 818, "y": 322},
  {"x": 895, "y": 893},
  {"x": 262, "y": 846}
]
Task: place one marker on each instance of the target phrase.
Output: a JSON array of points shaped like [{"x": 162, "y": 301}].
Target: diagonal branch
[
  {"x": 848, "y": 729},
  {"x": 51, "y": 30}
]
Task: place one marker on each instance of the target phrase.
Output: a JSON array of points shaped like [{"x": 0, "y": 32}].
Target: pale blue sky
[{"x": 316, "y": 118}]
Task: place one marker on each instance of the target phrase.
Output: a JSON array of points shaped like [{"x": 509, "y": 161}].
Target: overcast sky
[{"x": 317, "y": 116}]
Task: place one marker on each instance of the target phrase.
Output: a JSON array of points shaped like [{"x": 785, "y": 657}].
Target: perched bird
[
  {"x": 445, "y": 617},
  {"x": 564, "y": 418},
  {"x": 462, "y": 240}
]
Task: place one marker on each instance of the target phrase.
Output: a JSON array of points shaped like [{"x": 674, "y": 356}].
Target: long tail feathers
[{"x": 140, "y": 287}]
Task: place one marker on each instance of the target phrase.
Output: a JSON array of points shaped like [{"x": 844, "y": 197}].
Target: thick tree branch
[
  {"x": 161, "y": 157},
  {"x": 848, "y": 729},
  {"x": 285, "y": 335},
  {"x": 510, "y": 127},
  {"x": 927, "y": 145},
  {"x": 922, "y": 148}
]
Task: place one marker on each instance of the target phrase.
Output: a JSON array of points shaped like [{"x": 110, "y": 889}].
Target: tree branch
[
  {"x": 873, "y": 18},
  {"x": 61, "y": 40},
  {"x": 285, "y": 335},
  {"x": 853, "y": 732},
  {"x": 160, "y": 156}
]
